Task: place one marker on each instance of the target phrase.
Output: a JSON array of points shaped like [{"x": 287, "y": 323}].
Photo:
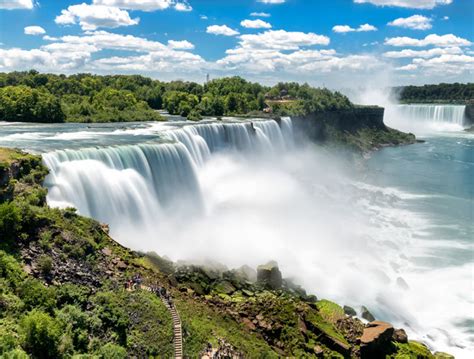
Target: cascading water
[
  {"x": 130, "y": 186},
  {"x": 421, "y": 118}
]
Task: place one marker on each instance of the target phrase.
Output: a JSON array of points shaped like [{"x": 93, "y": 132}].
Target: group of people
[
  {"x": 223, "y": 350},
  {"x": 136, "y": 282}
]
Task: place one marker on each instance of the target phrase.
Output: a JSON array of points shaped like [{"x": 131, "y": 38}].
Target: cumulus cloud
[
  {"x": 143, "y": 5},
  {"x": 221, "y": 30},
  {"x": 409, "y": 53},
  {"x": 282, "y": 40},
  {"x": 448, "y": 64},
  {"x": 415, "y": 22},
  {"x": 91, "y": 17},
  {"x": 16, "y": 4},
  {"x": 34, "y": 30},
  {"x": 347, "y": 28},
  {"x": 79, "y": 53},
  {"x": 447, "y": 40},
  {"x": 260, "y": 14},
  {"x": 255, "y": 24},
  {"x": 180, "y": 45},
  {"x": 272, "y": 1},
  {"x": 183, "y": 6},
  {"x": 411, "y": 4}
]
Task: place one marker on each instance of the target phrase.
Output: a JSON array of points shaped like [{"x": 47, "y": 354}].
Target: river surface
[{"x": 395, "y": 234}]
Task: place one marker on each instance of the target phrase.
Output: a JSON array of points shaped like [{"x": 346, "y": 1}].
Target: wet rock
[
  {"x": 367, "y": 315},
  {"x": 349, "y": 311},
  {"x": 269, "y": 275},
  {"x": 375, "y": 340},
  {"x": 400, "y": 336}
]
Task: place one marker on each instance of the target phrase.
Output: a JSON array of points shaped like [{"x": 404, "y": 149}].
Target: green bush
[
  {"x": 41, "y": 334},
  {"x": 112, "y": 351}
]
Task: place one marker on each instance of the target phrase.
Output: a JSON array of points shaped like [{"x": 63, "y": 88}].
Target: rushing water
[{"x": 396, "y": 236}]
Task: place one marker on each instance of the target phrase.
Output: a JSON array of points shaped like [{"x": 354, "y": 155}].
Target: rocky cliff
[
  {"x": 361, "y": 128},
  {"x": 470, "y": 114}
]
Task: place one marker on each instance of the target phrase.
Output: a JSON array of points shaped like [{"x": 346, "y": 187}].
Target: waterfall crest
[
  {"x": 452, "y": 114},
  {"x": 133, "y": 184}
]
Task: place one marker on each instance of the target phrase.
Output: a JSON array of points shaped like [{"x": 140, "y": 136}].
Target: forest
[
  {"x": 36, "y": 97},
  {"x": 441, "y": 93}
]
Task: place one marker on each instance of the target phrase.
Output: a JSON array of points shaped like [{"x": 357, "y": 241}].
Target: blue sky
[{"x": 339, "y": 43}]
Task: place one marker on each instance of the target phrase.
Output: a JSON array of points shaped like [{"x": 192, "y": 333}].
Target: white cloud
[
  {"x": 50, "y": 38},
  {"x": 411, "y": 4},
  {"x": 260, "y": 14},
  {"x": 91, "y": 17},
  {"x": 445, "y": 18},
  {"x": 282, "y": 40},
  {"x": 255, "y": 24},
  {"x": 448, "y": 64},
  {"x": 34, "y": 30},
  {"x": 347, "y": 28},
  {"x": 203, "y": 17},
  {"x": 180, "y": 45},
  {"x": 272, "y": 1},
  {"x": 409, "y": 53},
  {"x": 78, "y": 53},
  {"x": 221, "y": 30},
  {"x": 415, "y": 22},
  {"x": 448, "y": 40},
  {"x": 143, "y": 5},
  {"x": 183, "y": 6},
  {"x": 16, "y": 4}
]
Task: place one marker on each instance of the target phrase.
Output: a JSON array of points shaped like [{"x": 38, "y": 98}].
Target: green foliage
[
  {"x": 41, "y": 334},
  {"x": 442, "y": 93},
  {"x": 23, "y": 103},
  {"x": 93, "y": 98},
  {"x": 45, "y": 265},
  {"x": 112, "y": 351},
  {"x": 10, "y": 223}
]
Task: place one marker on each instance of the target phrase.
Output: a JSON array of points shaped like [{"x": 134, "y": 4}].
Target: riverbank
[{"x": 64, "y": 274}]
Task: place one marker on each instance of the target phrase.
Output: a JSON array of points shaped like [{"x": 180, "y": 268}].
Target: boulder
[
  {"x": 367, "y": 315},
  {"x": 349, "y": 311},
  {"x": 224, "y": 287},
  {"x": 376, "y": 339},
  {"x": 248, "y": 323},
  {"x": 318, "y": 351},
  {"x": 400, "y": 336},
  {"x": 246, "y": 273},
  {"x": 441, "y": 355},
  {"x": 269, "y": 275}
]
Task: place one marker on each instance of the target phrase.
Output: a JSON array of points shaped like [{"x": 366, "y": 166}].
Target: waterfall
[
  {"x": 452, "y": 114},
  {"x": 132, "y": 186}
]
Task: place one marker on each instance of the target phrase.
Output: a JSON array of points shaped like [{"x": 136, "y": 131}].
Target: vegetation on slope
[
  {"x": 34, "y": 97},
  {"x": 62, "y": 293},
  {"x": 441, "y": 93}
]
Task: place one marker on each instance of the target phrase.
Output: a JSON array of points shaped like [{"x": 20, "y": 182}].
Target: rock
[
  {"x": 121, "y": 265},
  {"x": 318, "y": 351},
  {"x": 375, "y": 340},
  {"x": 106, "y": 251},
  {"x": 224, "y": 287},
  {"x": 248, "y": 323},
  {"x": 247, "y": 273},
  {"x": 105, "y": 228},
  {"x": 269, "y": 275},
  {"x": 349, "y": 311},
  {"x": 400, "y": 336},
  {"x": 302, "y": 326},
  {"x": 367, "y": 315},
  {"x": 441, "y": 355}
]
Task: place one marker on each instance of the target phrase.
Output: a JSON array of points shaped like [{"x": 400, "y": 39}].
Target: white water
[
  {"x": 243, "y": 194},
  {"x": 426, "y": 118}
]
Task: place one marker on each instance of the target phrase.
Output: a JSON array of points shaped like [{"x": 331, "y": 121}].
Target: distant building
[{"x": 208, "y": 78}]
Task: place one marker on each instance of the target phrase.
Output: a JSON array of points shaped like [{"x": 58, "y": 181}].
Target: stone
[
  {"x": 400, "y": 336},
  {"x": 269, "y": 275},
  {"x": 375, "y": 340},
  {"x": 367, "y": 315},
  {"x": 224, "y": 287},
  {"x": 318, "y": 351},
  {"x": 106, "y": 251},
  {"x": 349, "y": 311},
  {"x": 247, "y": 273},
  {"x": 302, "y": 326},
  {"x": 248, "y": 323},
  {"x": 121, "y": 265}
]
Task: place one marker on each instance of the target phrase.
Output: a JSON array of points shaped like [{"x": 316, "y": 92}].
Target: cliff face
[{"x": 361, "y": 128}]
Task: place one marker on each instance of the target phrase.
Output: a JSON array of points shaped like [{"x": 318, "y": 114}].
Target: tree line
[
  {"x": 36, "y": 97},
  {"x": 442, "y": 93}
]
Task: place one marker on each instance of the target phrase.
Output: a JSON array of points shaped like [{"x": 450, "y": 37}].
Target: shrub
[
  {"x": 45, "y": 265},
  {"x": 112, "y": 351},
  {"x": 41, "y": 334}
]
